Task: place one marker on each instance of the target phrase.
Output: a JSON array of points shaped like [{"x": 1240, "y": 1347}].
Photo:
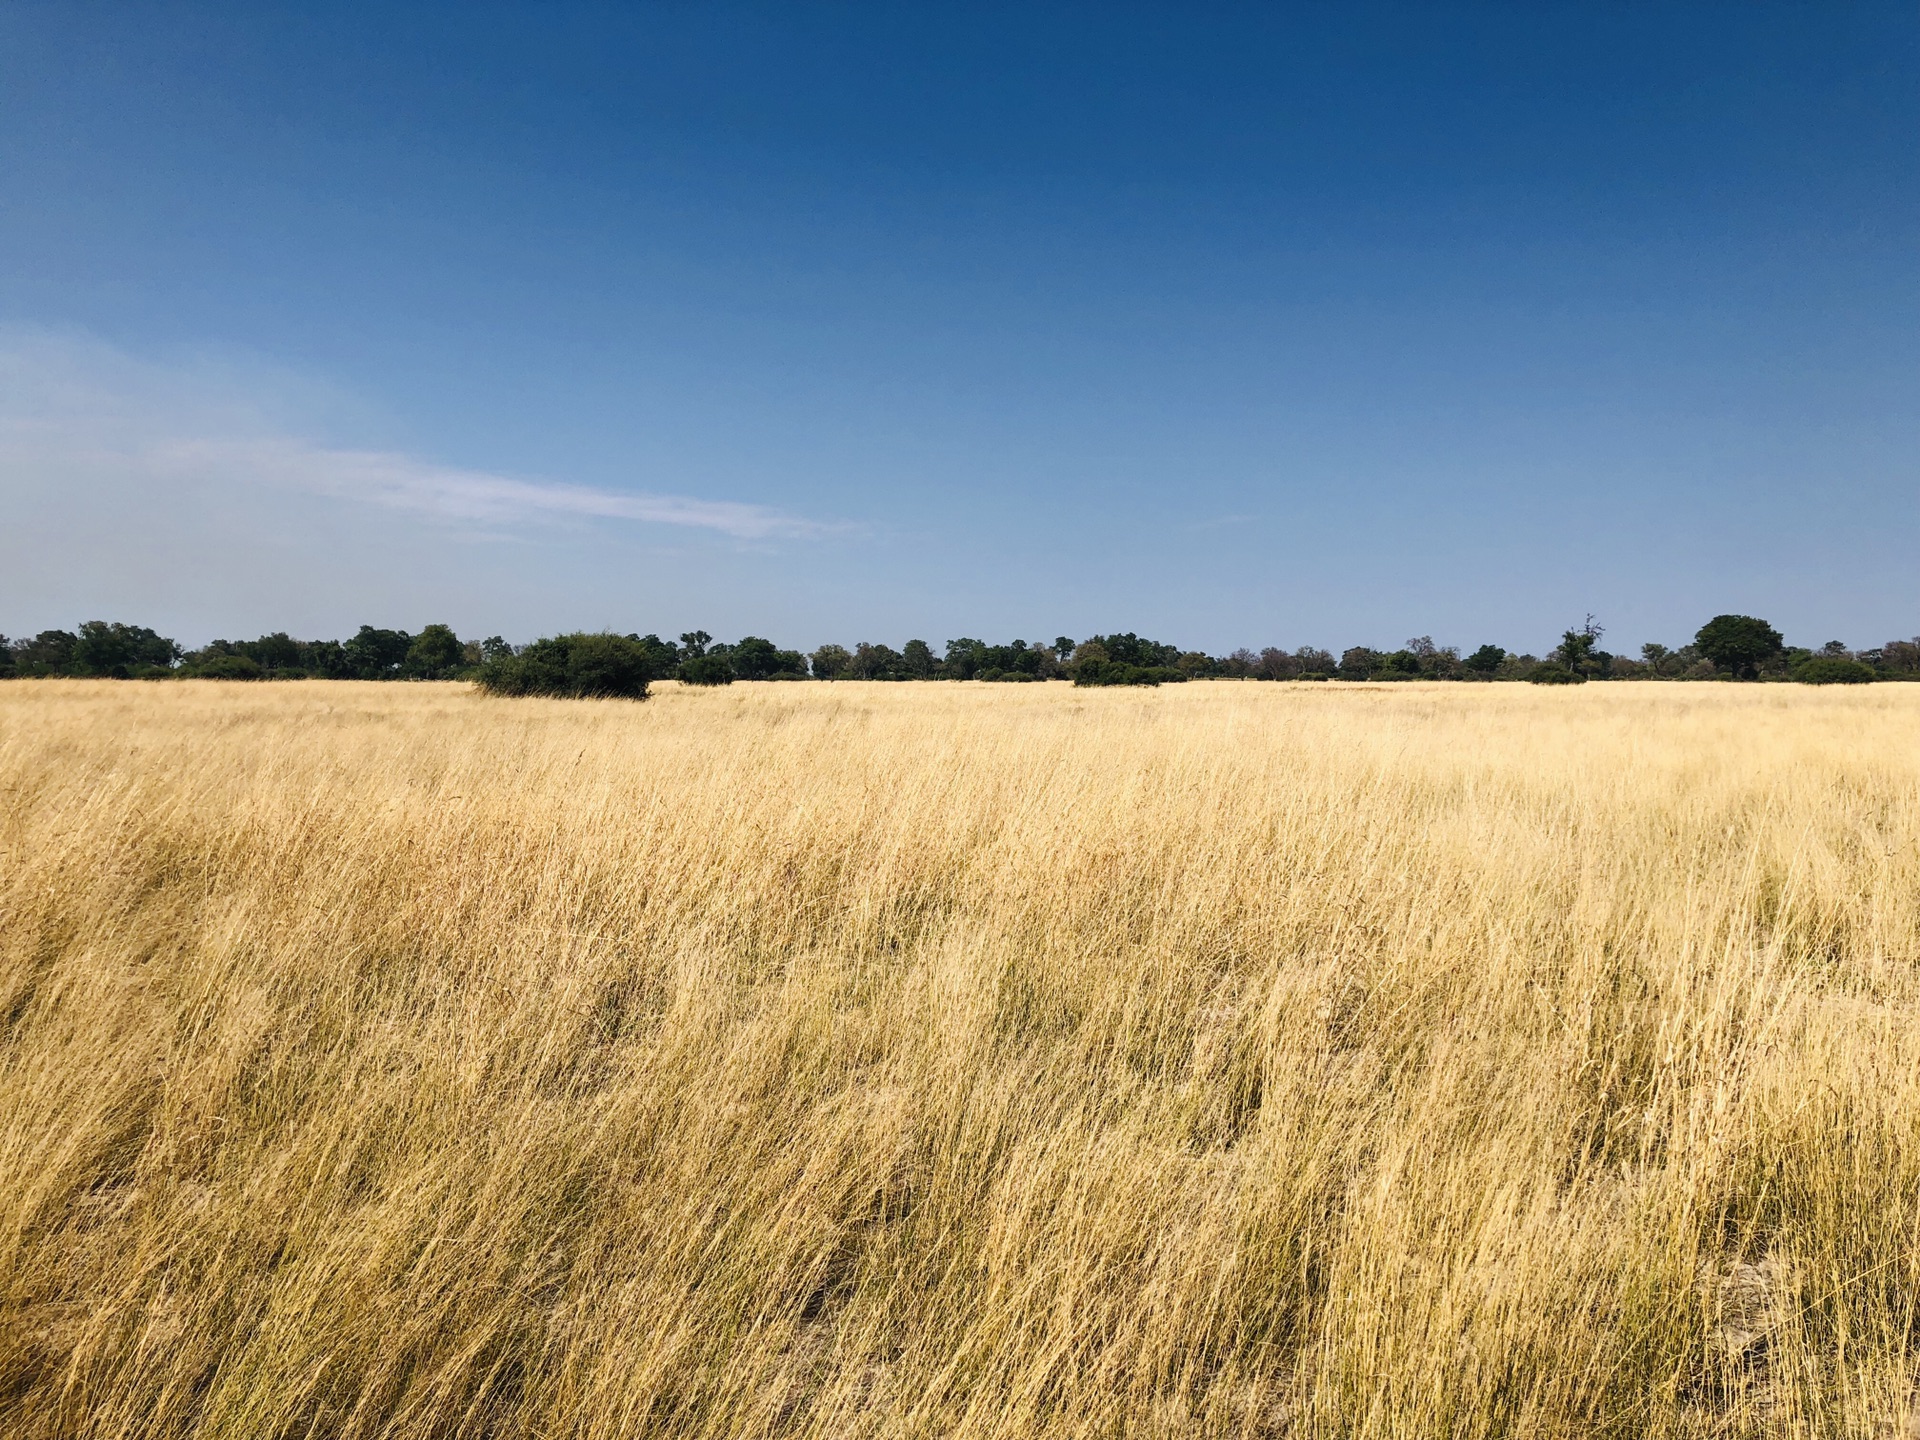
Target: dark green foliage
[
  {"x": 1580, "y": 654},
  {"x": 707, "y": 670},
  {"x": 757, "y": 659},
  {"x": 1827, "y": 670},
  {"x": 1728, "y": 645},
  {"x": 276, "y": 652},
  {"x": 830, "y": 662},
  {"x": 969, "y": 659},
  {"x": 1358, "y": 663},
  {"x": 1738, "y": 644},
  {"x": 1113, "y": 672},
  {"x": 663, "y": 657},
  {"x": 222, "y": 666},
  {"x": 1554, "y": 674},
  {"x": 435, "y": 654},
  {"x": 48, "y": 653},
  {"x": 118, "y": 651},
  {"x": 280, "y": 657},
  {"x": 876, "y": 662},
  {"x": 578, "y": 665},
  {"x": 964, "y": 657},
  {"x": 378, "y": 654},
  {"x": 1130, "y": 649}
]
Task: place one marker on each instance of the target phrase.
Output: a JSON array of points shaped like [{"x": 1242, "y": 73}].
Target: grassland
[{"x": 843, "y": 1060}]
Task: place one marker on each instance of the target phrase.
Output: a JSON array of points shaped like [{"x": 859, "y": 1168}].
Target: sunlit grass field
[{"x": 1229, "y": 1059}]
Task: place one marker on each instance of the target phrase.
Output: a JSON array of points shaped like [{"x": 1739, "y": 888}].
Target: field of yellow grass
[{"x": 959, "y": 1060}]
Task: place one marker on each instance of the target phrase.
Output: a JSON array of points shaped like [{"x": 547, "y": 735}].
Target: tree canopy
[{"x": 1727, "y": 647}]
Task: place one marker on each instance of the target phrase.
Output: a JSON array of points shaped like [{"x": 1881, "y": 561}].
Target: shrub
[
  {"x": 1112, "y": 672},
  {"x": 223, "y": 667},
  {"x": 578, "y": 665},
  {"x": 707, "y": 670},
  {"x": 1555, "y": 675},
  {"x": 1826, "y": 670}
]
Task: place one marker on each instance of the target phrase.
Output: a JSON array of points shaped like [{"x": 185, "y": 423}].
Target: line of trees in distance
[{"x": 1728, "y": 647}]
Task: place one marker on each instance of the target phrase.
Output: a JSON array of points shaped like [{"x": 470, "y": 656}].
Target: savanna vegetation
[
  {"x": 1014, "y": 1061},
  {"x": 1728, "y": 647}
]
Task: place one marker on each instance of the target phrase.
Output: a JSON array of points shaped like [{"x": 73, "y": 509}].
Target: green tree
[
  {"x": 1579, "y": 652},
  {"x": 117, "y": 651},
  {"x": 965, "y": 658},
  {"x": 435, "y": 654},
  {"x": 662, "y": 655},
  {"x": 1358, "y": 663},
  {"x": 694, "y": 643},
  {"x": 1738, "y": 644},
  {"x": 1485, "y": 660},
  {"x": 378, "y": 654},
  {"x": 587, "y": 666},
  {"x": 755, "y": 658},
  {"x": 875, "y": 662},
  {"x": 707, "y": 670},
  {"x": 830, "y": 662},
  {"x": 46, "y": 654},
  {"x": 917, "y": 658}
]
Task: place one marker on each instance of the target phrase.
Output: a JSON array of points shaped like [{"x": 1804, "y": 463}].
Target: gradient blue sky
[{"x": 1264, "y": 325}]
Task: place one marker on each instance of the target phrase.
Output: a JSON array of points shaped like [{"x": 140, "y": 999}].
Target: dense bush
[
  {"x": 222, "y": 667},
  {"x": 1113, "y": 672},
  {"x": 707, "y": 670},
  {"x": 1555, "y": 675},
  {"x": 754, "y": 658},
  {"x": 1824, "y": 670},
  {"x": 586, "y": 666}
]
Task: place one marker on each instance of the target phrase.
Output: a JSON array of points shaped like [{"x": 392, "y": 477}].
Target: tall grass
[{"x": 853, "y": 1060}]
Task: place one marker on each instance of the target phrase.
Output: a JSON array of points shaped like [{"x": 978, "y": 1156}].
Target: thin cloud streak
[
  {"x": 404, "y": 482},
  {"x": 84, "y": 415}
]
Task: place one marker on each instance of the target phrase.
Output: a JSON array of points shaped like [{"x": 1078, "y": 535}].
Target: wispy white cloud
[
  {"x": 406, "y": 482},
  {"x": 93, "y": 414}
]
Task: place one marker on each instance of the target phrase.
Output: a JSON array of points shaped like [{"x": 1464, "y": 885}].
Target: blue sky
[{"x": 1266, "y": 325}]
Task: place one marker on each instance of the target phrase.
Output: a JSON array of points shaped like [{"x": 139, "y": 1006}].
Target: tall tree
[{"x": 1739, "y": 644}]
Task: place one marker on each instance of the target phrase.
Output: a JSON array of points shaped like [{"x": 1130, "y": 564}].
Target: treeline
[{"x": 1736, "y": 647}]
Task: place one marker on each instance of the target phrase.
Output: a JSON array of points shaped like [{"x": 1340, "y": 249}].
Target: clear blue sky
[{"x": 1326, "y": 324}]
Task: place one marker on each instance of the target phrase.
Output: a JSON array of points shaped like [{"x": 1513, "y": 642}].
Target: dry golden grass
[{"x": 851, "y": 1060}]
